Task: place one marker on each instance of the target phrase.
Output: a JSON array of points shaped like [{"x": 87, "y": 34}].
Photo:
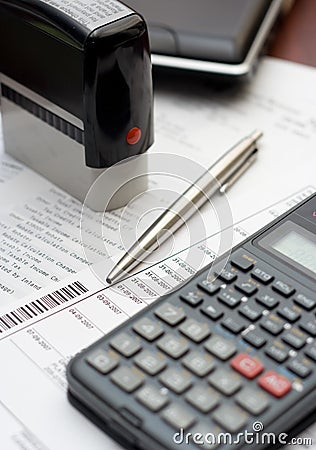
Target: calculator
[{"x": 228, "y": 360}]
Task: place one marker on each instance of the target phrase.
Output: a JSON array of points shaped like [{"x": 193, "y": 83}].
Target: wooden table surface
[{"x": 295, "y": 37}]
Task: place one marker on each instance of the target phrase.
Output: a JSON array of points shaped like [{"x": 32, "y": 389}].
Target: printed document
[{"x": 54, "y": 259}]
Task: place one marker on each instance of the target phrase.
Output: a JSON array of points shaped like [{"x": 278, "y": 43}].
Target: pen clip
[{"x": 239, "y": 172}]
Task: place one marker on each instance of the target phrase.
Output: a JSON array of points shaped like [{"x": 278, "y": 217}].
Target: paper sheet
[{"x": 198, "y": 125}]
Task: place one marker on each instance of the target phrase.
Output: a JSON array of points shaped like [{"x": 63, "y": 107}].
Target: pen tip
[
  {"x": 256, "y": 134},
  {"x": 116, "y": 274}
]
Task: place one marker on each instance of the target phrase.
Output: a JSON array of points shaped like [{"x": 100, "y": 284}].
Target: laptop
[{"x": 216, "y": 36}]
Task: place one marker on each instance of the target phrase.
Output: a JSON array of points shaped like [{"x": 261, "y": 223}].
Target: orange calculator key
[
  {"x": 246, "y": 365},
  {"x": 275, "y": 384}
]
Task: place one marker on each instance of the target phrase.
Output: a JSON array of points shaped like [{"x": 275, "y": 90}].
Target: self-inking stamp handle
[{"x": 76, "y": 87}]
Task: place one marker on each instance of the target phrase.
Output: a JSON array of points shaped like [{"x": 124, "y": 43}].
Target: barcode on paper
[{"x": 40, "y": 306}]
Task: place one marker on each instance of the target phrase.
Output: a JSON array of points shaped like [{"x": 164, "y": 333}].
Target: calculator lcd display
[
  {"x": 298, "y": 248},
  {"x": 292, "y": 244}
]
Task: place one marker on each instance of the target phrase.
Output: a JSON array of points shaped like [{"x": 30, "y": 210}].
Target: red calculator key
[
  {"x": 246, "y": 365},
  {"x": 275, "y": 384}
]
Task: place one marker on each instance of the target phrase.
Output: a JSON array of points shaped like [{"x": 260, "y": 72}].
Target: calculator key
[
  {"x": 176, "y": 379},
  {"x": 127, "y": 378},
  {"x": 278, "y": 352},
  {"x": 152, "y": 398},
  {"x": 252, "y": 400},
  {"x": 173, "y": 346},
  {"x": 295, "y": 338},
  {"x": 214, "y": 312},
  {"x": 150, "y": 362},
  {"x": 301, "y": 367},
  {"x": 194, "y": 330},
  {"x": 231, "y": 418},
  {"x": 304, "y": 301},
  {"x": 310, "y": 351},
  {"x": 230, "y": 299},
  {"x": 203, "y": 398},
  {"x": 148, "y": 329},
  {"x": 103, "y": 361},
  {"x": 227, "y": 382},
  {"x": 289, "y": 313},
  {"x": 192, "y": 298},
  {"x": 170, "y": 314},
  {"x": 267, "y": 300},
  {"x": 242, "y": 263},
  {"x": 209, "y": 287},
  {"x": 262, "y": 276},
  {"x": 227, "y": 276},
  {"x": 178, "y": 416},
  {"x": 246, "y": 288},
  {"x": 234, "y": 325},
  {"x": 254, "y": 338},
  {"x": 309, "y": 326},
  {"x": 199, "y": 363},
  {"x": 283, "y": 288},
  {"x": 272, "y": 324},
  {"x": 125, "y": 344},
  {"x": 246, "y": 365},
  {"x": 220, "y": 347},
  {"x": 251, "y": 311},
  {"x": 275, "y": 384}
]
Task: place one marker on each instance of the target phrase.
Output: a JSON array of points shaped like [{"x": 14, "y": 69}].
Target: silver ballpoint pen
[{"x": 219, "y": 177}]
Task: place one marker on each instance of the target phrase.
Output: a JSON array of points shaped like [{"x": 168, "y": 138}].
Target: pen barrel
[
  {"x": 169, "y": 222},
  {"x": 223, "y": 173},
  {"x": 195, "y": 196},
  {"x": 233, "y": 160},
  {"x": 177, "y": 214}
]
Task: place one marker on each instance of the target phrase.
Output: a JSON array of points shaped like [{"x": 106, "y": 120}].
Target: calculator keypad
[
  {"x": 148, "y": 329},
  {"x": 220, "y": 352},
  {"x": 170, "y": 314},
  {"x": 151, "y": 362},
  {"x": 246, "y": 365},
  {"x": 275, "y": 384},
  {"x": 273, "y": 324},
  {"x": 203, "y": 398},
  {"x": 283, "y": 288},
  {"x": 277, "y": 352},
  {"x": 173, "y": 346},
  {"x": 225, "y": 381},
  {"x": 220, "y": 347},
  {"x": 152, "y": 398},
  {"x": 200, "y": 363},
  {"x": 255, "y": 338},
  {"x": 125, "y": 344},
  {"x": 103, "y": 361},
  {"x": 178, "y": 416},
  {"x": 253, "y": 400},
  {"x": 231, "y": 418},
  {"x": 127, "y": 379}
]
